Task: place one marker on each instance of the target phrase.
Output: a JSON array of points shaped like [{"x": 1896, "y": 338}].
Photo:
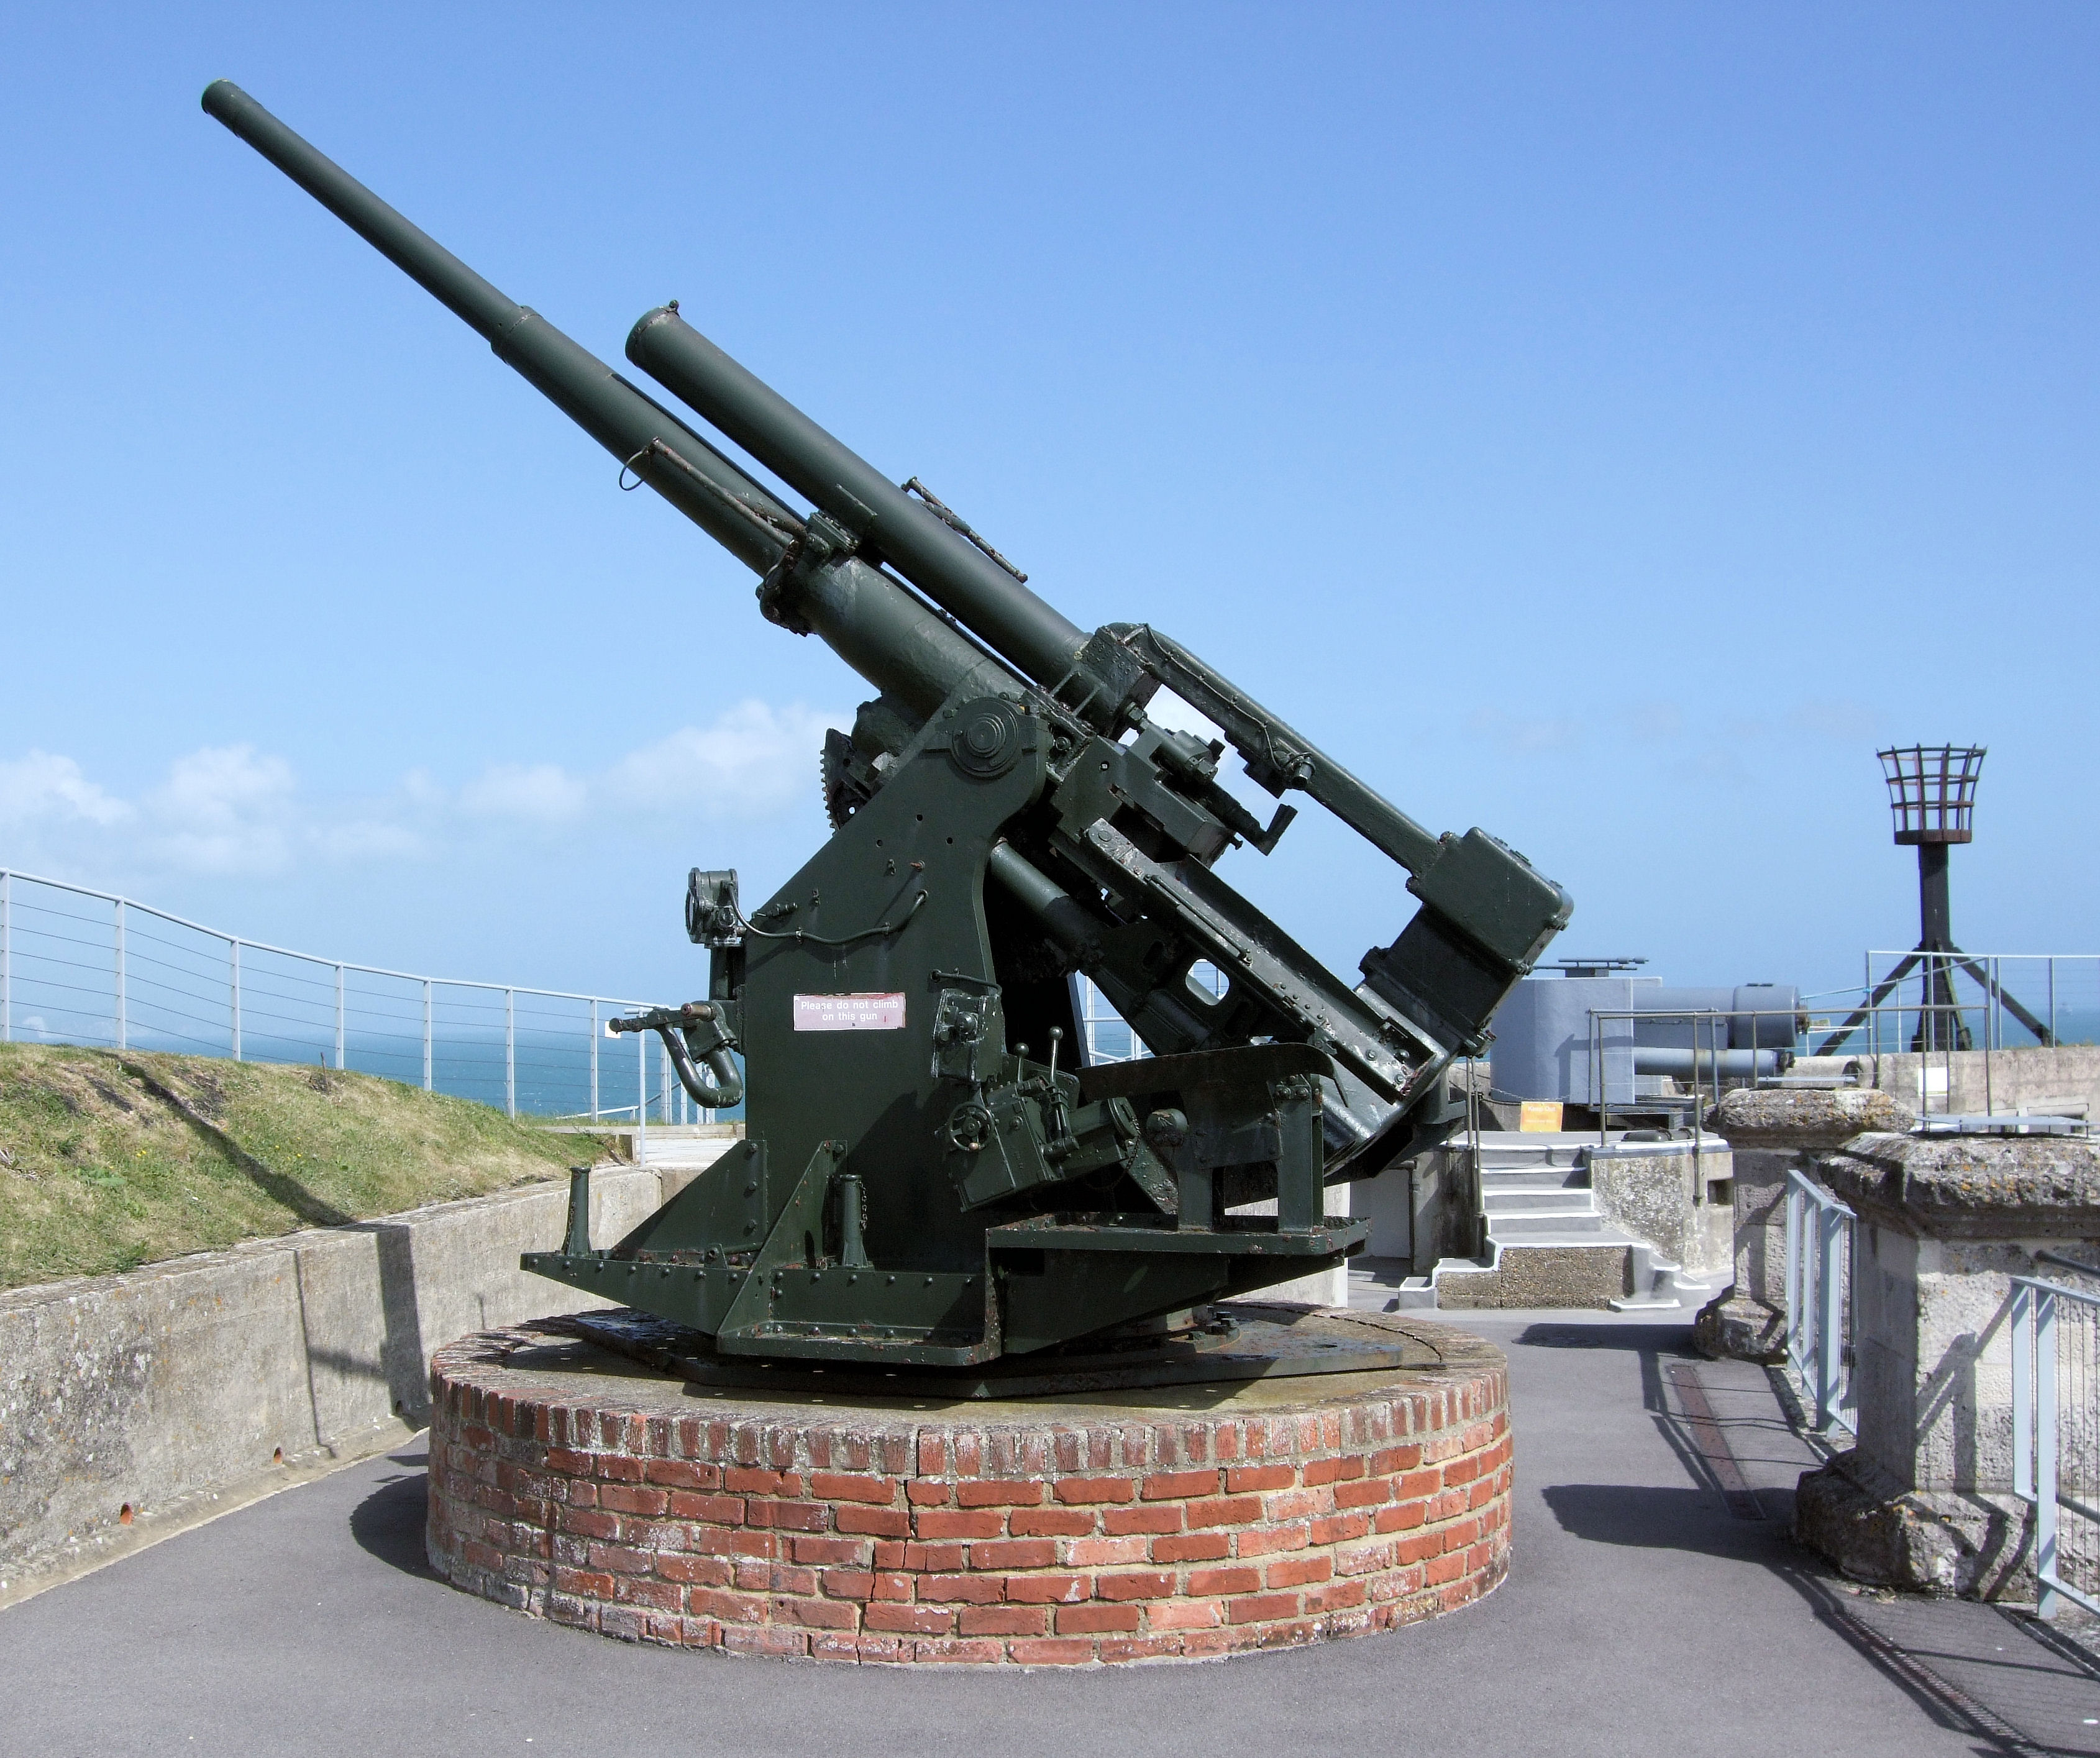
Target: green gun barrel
[
  {"x": 878, "y": 627},
  {"x": 995, "y": 605},
  {"x": 659, "y": 447}
]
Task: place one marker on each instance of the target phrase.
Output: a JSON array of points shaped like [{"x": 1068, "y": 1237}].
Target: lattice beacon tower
[{"x": 1932, "y": 798}]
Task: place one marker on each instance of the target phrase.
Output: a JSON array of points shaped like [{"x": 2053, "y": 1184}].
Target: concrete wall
[
  {"x": 1973, "y": 1082},
  {"x": 1760, "y": 1252},
  {"x": 1386, "y": 1202},
  {"x": 1542, "y": 1037},
  {"x": 1933, "y": 1357},
  {"x": 1323, "y": 1288},
  {"x": 1443, "y": 1208},
  {"x": 1682, "y": 1202},
  {"x": 128, "y": 1401}
]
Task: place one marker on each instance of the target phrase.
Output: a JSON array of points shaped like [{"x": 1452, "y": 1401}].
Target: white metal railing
[
  {"x": 1991, "y": 991},
  {"x": 1110, "y": 1036},
  {"x": 2056, "y": 1435},
  {"x": 1876, "y": 1030},
  {"x": 1713, "y": 1069},
  {"x": 85, "y": 967},
  {"x": 1819, "y": 1300}
]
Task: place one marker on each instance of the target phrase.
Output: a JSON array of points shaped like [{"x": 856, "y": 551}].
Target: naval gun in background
[{"x": 931, "y": 1175}]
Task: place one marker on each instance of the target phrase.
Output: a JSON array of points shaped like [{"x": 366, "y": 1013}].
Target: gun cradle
[{"x": 930, "y": 1176}]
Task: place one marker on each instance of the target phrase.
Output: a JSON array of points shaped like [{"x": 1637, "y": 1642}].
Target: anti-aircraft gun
[{"x": 931, "y": 1175}]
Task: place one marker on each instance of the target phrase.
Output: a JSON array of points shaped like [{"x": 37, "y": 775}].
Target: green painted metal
[{"x": 932, "y": 1178}]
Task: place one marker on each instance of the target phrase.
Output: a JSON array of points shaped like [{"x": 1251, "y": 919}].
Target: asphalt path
[{"x": 1654, "y": 1604}]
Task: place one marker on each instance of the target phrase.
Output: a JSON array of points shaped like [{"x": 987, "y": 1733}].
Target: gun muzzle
[{"x": 660, "y": 449}]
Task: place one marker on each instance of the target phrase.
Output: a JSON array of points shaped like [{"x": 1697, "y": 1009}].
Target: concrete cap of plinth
[
  {"x": 1969, "y": 1187},
  {"x": 1811, "y": 1120}
]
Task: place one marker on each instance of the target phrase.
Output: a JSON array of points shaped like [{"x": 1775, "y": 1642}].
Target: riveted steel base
[{"x": 1244, "y": 1341}]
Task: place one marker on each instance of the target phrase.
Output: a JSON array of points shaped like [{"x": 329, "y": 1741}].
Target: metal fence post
[
  {"x": 1794, "y": 1278},
  {"x": 6, "y": 958},
  {"x": 426, "y": 1034},
  {"x": 1830, "y": 1320},
  {"x": 2022, "y": 1324},
  {"x": 510, "y": 1054},
  {"x": 594, "y": 1061},
  {"x": 2045, "y": 1462},
  {"x": 122, "y": 1032},
  {"x": 641, "y": 1097},
  {"x": 233, "y": 947},
  {"x": 338, "y": 1019}
]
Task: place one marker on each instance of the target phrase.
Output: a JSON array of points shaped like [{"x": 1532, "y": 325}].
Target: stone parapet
[
  {"x": 1969, "y": 1186},
  {"x": 1181, "y": 1524},
  {"x": 1770, "y": 1132},
  {"x": 1923, "y": 1501},
  {"x": 1786, "y": 1120},
  {"x": 1679, "y": 1196}
]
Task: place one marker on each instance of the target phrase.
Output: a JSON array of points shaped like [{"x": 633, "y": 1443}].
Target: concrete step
[
  {"x": 1538, "y": 1231},
  {"x": 1535, "y": 1178},
  {"x": 1528, "y": 1159},
  {"x": 1556, "y": 1202},
  {"x": 1665, "y": 1287},
  {"x": 692, "y": 1146}
]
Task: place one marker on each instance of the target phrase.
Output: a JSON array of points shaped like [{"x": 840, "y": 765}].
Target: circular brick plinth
[{"x": 1180, "y": 1522}]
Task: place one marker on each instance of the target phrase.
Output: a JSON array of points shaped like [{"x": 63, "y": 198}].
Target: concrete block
[
  {"x": 1770, "y": 1132},
  {"x": 1923, "y": 1501},
  {"x": 1681, "y": 1200},
  {"x": 129, "y": 1402}
]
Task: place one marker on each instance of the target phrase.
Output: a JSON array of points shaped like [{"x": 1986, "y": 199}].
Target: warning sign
[{"x": 863, "y": 1013}]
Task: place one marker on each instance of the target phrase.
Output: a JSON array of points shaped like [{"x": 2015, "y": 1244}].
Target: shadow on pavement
[
  {"x": 1671, "y": 1340},
  {"x": 388, "y": 1523},
  {"x": 1925, "y": 1683},
  {"x": 1653, "y": 1519},
  {"x": 1718, "y": 1514}
]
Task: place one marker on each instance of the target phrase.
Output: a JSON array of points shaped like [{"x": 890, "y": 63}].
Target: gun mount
[{"x": 931, "y": 1176}]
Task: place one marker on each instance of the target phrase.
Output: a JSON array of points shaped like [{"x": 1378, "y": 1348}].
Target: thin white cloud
[
  {"x": 1654, "y": 722},
  {"x": 233, "y": 811},
  {"x": 1526, "y": 734},
  {"x": 367, "y": 839},
  {"x": 226, "y": 809},
  {"x": 540, "y": 793},
  {"x": 40, "y": 789},
  {"x": 1850, "y": 723},
  {"x": 753, "y": 758}
]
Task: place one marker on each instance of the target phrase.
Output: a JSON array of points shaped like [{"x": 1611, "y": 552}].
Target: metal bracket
[
  {"x": 961, "y": 1025},
  {"x": 795, "y": 1238}
]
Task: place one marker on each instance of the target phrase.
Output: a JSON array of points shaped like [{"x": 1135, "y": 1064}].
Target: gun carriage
[{"x": 932, "y": 1176}]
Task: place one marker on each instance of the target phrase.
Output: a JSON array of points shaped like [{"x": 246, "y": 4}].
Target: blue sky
[{"x": 1603, "y": 424}]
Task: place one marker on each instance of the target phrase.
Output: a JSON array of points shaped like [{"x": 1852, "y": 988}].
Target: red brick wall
[{"x": 882, "y": 1535}]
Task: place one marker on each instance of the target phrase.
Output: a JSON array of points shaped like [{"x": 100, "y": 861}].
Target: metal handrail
[
  {"x": 2037, "y": 1431},
  {"x": 1713, "y": 1019},
  {"x": 1818, "y": 1287},
  {"x": 124, "y": 908},
  {"x": 9, "y": 874}
]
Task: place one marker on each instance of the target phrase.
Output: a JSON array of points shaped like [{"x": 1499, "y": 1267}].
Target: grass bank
[{"x": 110, "y": 1159}]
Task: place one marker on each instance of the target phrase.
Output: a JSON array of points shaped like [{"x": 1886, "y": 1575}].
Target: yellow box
[{"x": 1540, "y": 1117}]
